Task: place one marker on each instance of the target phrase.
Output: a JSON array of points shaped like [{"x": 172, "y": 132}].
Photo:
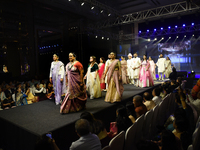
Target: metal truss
[
  {"x": 170, "y": 31},
  {"x": 102, "y": 7},
  {"x": 156, "y": 13}
]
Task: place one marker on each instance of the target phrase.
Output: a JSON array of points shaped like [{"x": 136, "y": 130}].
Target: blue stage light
[
  {"x": 192, "y": 24},
  {"x": 176, "y": 26},
  {"x": 147, "y": 30},
  {"x": 169, "y": 27},
  {"x": 161, "y": 28},
  {"x": 154, "y": 29},
  {"x": 140, "y": 31},
  {"x": 183, "y": 25}
]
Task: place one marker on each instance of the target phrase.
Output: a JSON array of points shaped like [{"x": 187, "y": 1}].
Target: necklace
[{"x": 71, "y": 66}]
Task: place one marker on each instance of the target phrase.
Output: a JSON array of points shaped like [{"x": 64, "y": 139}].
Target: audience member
[
  {"x": 146, "y": 145},
  {"x": 173, "y": 74},
  {"x": 20, "y": 98},
  {"x": 148, "y": 101},
  {"x": 87, "y": 141},
  {"x": 8, "y": 90},
  {"x": 130, "y": 108},
  {"x": 195, "y": 103},
  {"x": 156, "y": 96},
  {"x": 122, "y": 120},
  {"x": 40, "y": 92},
  {"x": 46, "y": 143}
]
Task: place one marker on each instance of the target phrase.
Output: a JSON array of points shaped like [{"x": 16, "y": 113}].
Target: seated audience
[
  {"x": 122, "y": 121},
  {"x": 156, "y": 96},
  {"x": 46, "y": 143},
  {"x": 8, "y": 90},
  {"x": 87, "y": 140},
  {"x": 20, "y": 98},
  {"x": 148, "y": 101},
  {"x": 30, "y": 97},
  {"x": 130, "y": 108},
  {"x": 50, "y": 91},
  {"x": 8, "y": 102},
  {"x": 40, "y": 92},
  {"x": 2, "y": 96}
]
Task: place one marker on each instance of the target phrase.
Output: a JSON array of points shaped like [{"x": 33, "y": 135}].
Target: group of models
[{"x": 108, "y": 76}]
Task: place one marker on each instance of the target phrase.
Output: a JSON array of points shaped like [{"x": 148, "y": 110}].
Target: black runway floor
[{"x": 24, "y": 124}]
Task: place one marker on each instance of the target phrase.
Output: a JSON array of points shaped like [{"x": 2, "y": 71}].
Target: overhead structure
[{"x": 150, "y": 14}]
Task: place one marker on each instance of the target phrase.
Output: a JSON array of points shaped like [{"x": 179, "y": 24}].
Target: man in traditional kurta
[
  {"x": 136, "y": 69},
  {"x": 56, "y": 76},
  {"x": 130, "y": 68},
  {"x": 161, "y": 66}
]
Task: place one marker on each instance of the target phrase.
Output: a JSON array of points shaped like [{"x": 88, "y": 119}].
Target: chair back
[{"x": 117, "y": 143}]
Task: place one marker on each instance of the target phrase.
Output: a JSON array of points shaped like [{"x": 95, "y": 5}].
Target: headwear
[{"x": 130, "y": 54}]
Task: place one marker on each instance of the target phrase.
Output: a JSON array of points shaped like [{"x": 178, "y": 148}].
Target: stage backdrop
[{"x": 184, "y": 55}]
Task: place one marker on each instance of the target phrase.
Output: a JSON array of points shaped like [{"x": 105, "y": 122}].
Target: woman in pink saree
[
  {"x": 145, "y": 77},
  {"x": 152, "y": 67},
  {"x": 76, "y": 96},
  {"x": 100, "y": 71},
  {"x": 114, "y": 80},
  {"x": 125, "y": 78}
]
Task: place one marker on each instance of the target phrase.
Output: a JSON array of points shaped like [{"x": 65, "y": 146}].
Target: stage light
[
  {"x": 82, "y": 3},
  {"x": 140, "y": 31},
  {"x": 92, "y": 7},
  {"x": 192, "y": 24},
  {"x": 154, "y": 29},
  {"x": 102, "y": 38},
  {"x": 69, "y": 0},
  {"x": 147, "y": 30},
  {"x": 183, "y": 25},
  {"x": 176, "y": 26},
  {"x": 161, "y": 28},
  {"x": 177, "y": 37},
  {"x": 169, "y": 27},
  {"x": 109, "y": 15},
  {"x": 96, "y": 36},
  {"x": 193, "y": 35},
  {"x": 169, "y": 37},
  {"x": 107, "y": 38},
  {"x": 155, "y": 39},
  {"x": 102, "y": 11},
  {"x": 162, "y": 38},
  {"x": 185, "y": 36},
  {"x": 148, "y": 40}
]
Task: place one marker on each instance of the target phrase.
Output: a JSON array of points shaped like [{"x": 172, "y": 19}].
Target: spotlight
[
  {"x": 140, "y": 31},
  {"x": 69, "y": 0},
  {"x": 162, "y": 38},
  {"x": 176, "y": 26},
  {"x": 192, "y": 24},
  {"x": 154, "y": 29},
  {"x": 102, "y": 11},
  {"x": 107, "y": 38},
  {"x": 96, "y": 36},
  {"x": 148, "y": 40},
  {"x": 92, "y": 7},
  {"x": 82, "y": 3},
  {"x": 147, "y": 30},
  {"x": 170, "y": 37},
  {"x": 109, "y": 14},
  {"x": 185, "y": 36},
  {"x": 183, "y": 25},
  {"x": 102, "y": 38},
  {"x": 161, "y": 28},
  {"x": 155, "y": 39},
  {"x": 193, "y": 35},
  {"x": 169, "y": 27},
  {"x": 177, "y": 37}
]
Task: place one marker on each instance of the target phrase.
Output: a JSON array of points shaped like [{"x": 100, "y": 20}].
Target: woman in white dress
[
  {"x": 168, "y": 68},
  {"x": 130, "y": 68},
  {"x": 93, "y": 81},
  {"x": 152, "y": 67}
]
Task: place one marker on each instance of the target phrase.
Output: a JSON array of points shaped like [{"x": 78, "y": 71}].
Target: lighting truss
[
  {"x": 102, "y": 6},
  {"x": 167, "y": 31},
  {"x": 150, "y": 14}
]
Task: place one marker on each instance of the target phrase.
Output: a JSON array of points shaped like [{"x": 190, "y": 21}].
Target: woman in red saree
[
  {"x": 76, "y": 96},
  {"x": 114, "y": 80},
  {"x": 101, "y": 70}
]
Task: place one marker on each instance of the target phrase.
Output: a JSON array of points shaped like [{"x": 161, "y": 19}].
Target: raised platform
[{"x": 21, "y": 126}]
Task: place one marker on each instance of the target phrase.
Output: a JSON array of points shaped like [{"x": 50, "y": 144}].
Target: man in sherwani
[
  {"x": 136, "y": 68},
  {"x": 161, "y": 66},
  {"x": 130, "y": 68}
]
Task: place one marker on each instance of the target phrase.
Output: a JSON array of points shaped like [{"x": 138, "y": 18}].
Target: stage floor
[{"x": 44, "y": 116}]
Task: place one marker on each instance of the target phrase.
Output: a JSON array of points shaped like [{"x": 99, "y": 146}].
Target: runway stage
[{"x": 21, "y": 126}]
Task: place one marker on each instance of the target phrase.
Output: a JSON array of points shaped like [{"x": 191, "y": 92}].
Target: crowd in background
[
  {"x": 175, "y": 134},
  {"x": 15, "y": 93}
]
